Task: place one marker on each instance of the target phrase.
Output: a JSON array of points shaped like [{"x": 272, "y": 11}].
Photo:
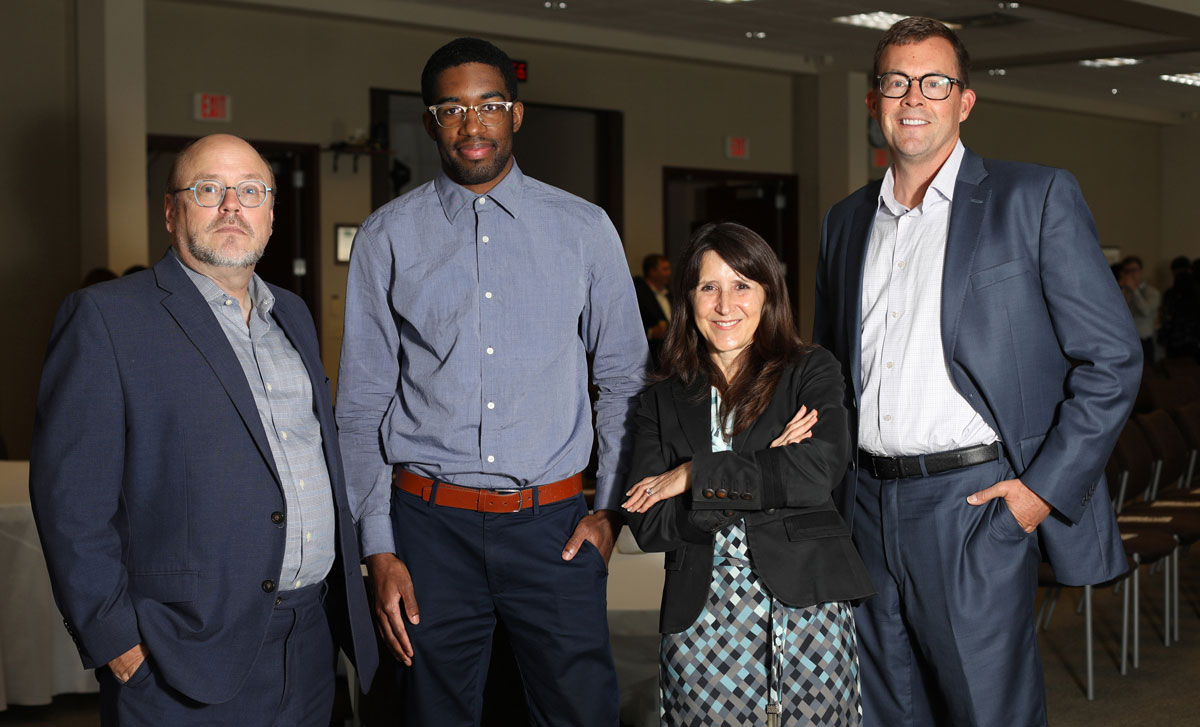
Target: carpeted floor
[{"x": 1162, "y": 692}]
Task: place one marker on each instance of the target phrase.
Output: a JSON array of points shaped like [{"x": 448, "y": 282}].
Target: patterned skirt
[{"x": 751, "y": 660}]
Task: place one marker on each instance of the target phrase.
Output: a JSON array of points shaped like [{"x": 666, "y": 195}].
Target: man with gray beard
[{"x": 185, "y": 475}]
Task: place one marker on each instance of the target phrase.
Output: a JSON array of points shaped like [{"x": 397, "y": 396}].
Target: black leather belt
[{"x": 897, "y": 468}]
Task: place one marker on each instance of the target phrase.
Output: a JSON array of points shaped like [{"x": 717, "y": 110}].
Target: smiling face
[
  {"x": 474, "y": 155},
  {"x": 726, "y": 307},
  {"x": 917, "y": 130},
  {"x": 228, "y": 235}
]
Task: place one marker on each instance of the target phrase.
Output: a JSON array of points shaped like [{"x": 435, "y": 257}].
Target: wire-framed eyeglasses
[
  {"x": 210, "y": 192},
  {"x": 451, "y": 115},
  {"x": 934, "y": 86}
]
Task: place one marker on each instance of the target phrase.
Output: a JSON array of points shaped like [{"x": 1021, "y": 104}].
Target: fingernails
[{"x": 973, "y": 499}]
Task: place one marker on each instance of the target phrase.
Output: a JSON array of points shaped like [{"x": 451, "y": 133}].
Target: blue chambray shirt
[
  {"x": 283, "y": 395},
  {"x": 469, "y": 320}
]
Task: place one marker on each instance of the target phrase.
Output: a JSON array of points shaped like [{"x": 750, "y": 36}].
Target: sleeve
[
  {"x": 613, "y": 336},
  {"x": 1094, "y": 327},
  {"x": 666, "y": 525},
  {"x": 795, "y": 475},
  {"x": 1145, "y": 298},
  {"x": 822, "y": 334},
  {"x": 76, "y": 474},
  {"x": 367, "y": 384}
]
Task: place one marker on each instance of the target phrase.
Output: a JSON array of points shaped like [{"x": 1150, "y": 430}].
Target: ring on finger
[{"x": 649, "y": 490}]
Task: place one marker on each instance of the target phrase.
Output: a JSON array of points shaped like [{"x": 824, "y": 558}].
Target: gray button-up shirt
[
  {"x": 469, "y": 322},
  {"x": 284, "y": 398}
]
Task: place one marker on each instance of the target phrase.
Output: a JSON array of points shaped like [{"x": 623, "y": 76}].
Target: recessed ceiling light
[
  {"x": 755, "y": 34},
  {"x": 880, "y": 20},
  {"x": 1188, "y": 79},
  {"x": 554, "y": 5},
  {"x": 1115, "y": 92},
  {"x": 1008, "y": 6},
  {"x": 997, "y": 72},
  {"x": 1110, "y": 62}
]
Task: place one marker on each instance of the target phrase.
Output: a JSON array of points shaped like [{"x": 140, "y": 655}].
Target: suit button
[
  {"x": 708, "y": 493},
  {"x": 722, "y": 493},
  {"x": 746, "y": 496},
  {"x": 278, "y": 601},
  {"x": 268, "y": 586},
  {"x": 729, "y": 513},
  {"x": 277, "y": 517}
]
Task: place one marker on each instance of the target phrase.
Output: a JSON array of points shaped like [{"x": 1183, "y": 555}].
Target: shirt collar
[
  {"x": 943, "y": 182},
  {"x": 507, "y": 194},
  {"x": 261, "y": 297}
]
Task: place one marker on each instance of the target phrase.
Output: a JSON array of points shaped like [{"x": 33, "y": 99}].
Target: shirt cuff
[{"x": 375, "y": 535}]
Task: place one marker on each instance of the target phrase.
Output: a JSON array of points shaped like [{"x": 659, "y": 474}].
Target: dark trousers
[
  {"x": 949, "y": 640},
  {"x": 290, "y": 685},
  {"x": 470, "y": 569}
]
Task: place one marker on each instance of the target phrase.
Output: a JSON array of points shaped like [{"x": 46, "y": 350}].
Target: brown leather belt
[{"x": 481, "y": 500}]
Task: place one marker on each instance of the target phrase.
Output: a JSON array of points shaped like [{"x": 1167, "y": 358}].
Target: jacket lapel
[
  {"x": 971, "y": 198},
  {"x": 191, "y": 312},
  {"x": 856, "y": 255}
]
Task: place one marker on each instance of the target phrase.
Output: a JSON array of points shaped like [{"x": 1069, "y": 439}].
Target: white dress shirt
[{"x": 909, "y": 402}]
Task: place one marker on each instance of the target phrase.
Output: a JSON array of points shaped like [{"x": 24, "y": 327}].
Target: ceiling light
[
  {"x": 997, "y": 72},
  {"x": 754, "y": 34},
  {"x": 729, "y": 2},
  {"x": 1188, "y": 79},
  {"x": 880, "y": 20},
  {"x": 554, "y": 5},
  {"x": 1110, "y": 62},
  {"x": 1008, "y": 6}
]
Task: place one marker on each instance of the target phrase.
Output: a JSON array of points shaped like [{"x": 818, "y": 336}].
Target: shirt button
[
  {"x": 482, "y": 200},
  {"x": 491, "y": 458},
  {"x": 490, "y": 350},
  {"x": 890, "y": 364},
  {"x": 308, "y": 537},
  {"x": 301, "y": 484},
  {"x": 485, "y": 238},
  {"x": 276, "y": 517},
  {"x": 887, "y": 417},
  {"x": 487, "y": 294},
  {"x": 491, "y": 405},
  {"x": 299, "y": 583},
  {"x": 228, "y": 301},
  {"x": 895, "y": 314},
  {"x": 268, "y": 586},
  {"x": 269, "y": 387},
  {"x": 283, "y": 434},
  {"x": 900, "y": 264}
]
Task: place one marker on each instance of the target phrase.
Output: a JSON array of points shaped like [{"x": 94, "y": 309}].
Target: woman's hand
[
  {"x": 798, "y": 429},
  {"x": 650, "y": 490}
]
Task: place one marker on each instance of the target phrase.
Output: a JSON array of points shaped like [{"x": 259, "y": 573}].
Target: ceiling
[{"x": 1037, "y": 44}]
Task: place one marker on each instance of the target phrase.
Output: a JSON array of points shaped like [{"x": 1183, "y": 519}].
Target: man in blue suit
[
  {"x": 991, "y": 363},
  {"x": 186, "y": 480}
]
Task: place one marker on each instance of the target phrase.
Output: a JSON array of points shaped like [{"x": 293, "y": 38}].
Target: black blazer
[{"x": 799, "y": 544}]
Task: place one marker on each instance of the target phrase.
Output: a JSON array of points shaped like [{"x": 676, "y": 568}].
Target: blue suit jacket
[
  {"x": 153, "y": 485},
  {"x": 1026, "y": 293}
]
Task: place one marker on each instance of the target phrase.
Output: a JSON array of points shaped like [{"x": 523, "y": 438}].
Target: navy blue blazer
[
  {"x": 153, "y": 485},
  {"x": 1035, "y": 333}
]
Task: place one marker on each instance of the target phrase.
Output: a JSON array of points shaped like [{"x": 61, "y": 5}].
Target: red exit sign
[
  {"x": 522, "y": 69},
  {"x": 737, "y": 147},
  {"x": 212, "y": 106}
]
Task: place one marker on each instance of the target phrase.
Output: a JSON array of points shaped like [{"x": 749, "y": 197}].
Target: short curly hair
[{"x": 461, "y": 51}]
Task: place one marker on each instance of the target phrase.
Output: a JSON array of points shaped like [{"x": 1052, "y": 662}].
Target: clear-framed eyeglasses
[
  {"x": 210, "y": 192},
  {"x": 451, "y": 115},
  {"x": 934, "y": 86}
]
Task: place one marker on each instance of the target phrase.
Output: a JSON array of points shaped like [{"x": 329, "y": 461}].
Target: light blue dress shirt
[{"x": 469, "y": 323}]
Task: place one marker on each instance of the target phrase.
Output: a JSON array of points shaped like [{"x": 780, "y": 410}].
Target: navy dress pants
[
  {"x": 949, "y": 639},
  {"x": 290, "y": 684},
  {"x": 470, "y": 569}
]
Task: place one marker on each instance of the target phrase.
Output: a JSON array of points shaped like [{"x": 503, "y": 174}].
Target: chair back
[
  {"x": 1136, "y": 462},
  {"x": 1168, "y": 445}
]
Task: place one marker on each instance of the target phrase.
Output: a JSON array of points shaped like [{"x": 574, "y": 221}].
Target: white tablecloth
[
  {"x": 635, "y": 582},
  {"x": 37, "y": 657}
]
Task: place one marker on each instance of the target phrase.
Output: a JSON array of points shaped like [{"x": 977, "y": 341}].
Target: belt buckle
[{"x": 520, "y": 498}]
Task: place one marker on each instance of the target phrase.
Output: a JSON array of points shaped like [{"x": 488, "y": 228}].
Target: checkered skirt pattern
[{"x": 747, "y": 652}]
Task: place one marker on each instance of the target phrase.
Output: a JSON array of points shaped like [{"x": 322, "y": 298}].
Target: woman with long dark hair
[{"x": 738, "y": 447}]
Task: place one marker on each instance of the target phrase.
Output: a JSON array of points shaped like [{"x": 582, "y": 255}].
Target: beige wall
[
  {"x": 315, "y": 86},
  {"x": 39, "y": 198},
  {"x": 1180, "y": 198}
]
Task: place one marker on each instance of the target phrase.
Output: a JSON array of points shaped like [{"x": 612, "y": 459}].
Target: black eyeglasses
[{"x": 934, "y": 86}]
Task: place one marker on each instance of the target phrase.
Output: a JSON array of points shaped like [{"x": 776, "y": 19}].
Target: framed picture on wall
[{"x": 343, "y": 240}]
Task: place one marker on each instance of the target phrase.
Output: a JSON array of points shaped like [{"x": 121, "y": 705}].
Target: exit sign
[
  {"x": 737, "y": 147},
  {"x": 212, "y": 106},
  {"x": 522, "y": 70}
]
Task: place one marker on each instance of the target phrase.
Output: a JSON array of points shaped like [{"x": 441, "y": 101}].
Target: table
[
  {"x": 635, "y": 581},
  {"x": 37, "y": 657}
]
